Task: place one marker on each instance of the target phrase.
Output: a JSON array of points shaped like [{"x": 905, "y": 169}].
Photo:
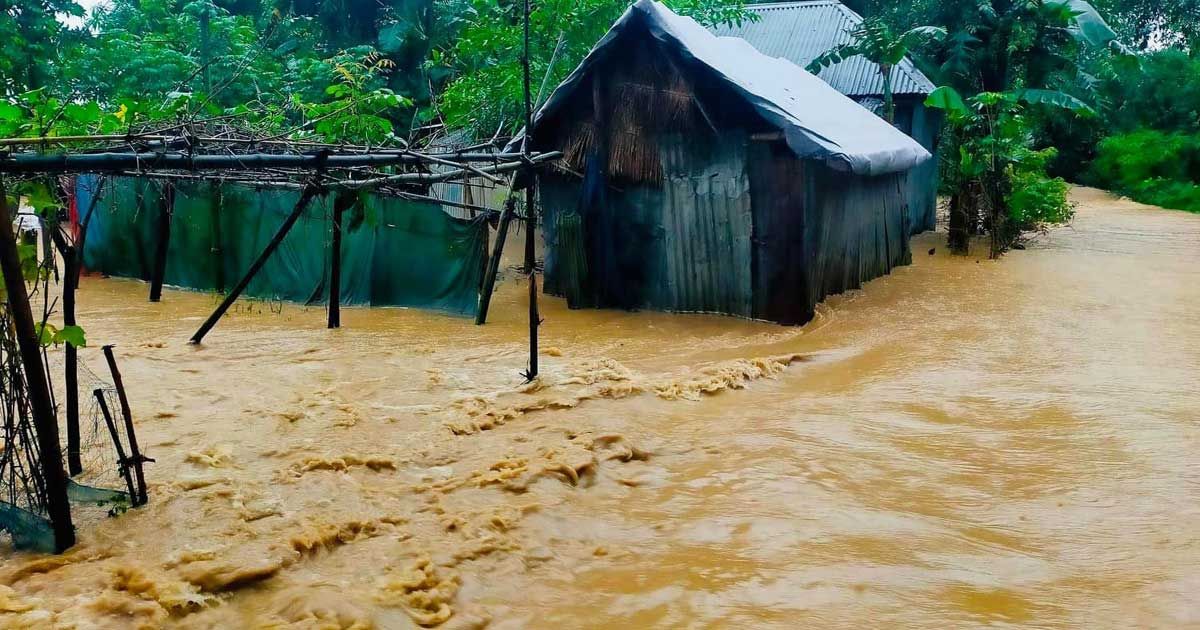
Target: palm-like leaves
[{"x": 876, "y": 42}]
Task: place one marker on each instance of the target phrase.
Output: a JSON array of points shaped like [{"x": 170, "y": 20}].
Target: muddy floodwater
[{"x": 962, "y": 443}]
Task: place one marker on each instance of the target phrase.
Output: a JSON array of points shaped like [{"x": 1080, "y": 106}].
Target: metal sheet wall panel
[{"x": 707, "y": 226}]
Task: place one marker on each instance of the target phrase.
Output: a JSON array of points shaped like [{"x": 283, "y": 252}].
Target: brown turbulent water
[{"x": 963, "y": 443}]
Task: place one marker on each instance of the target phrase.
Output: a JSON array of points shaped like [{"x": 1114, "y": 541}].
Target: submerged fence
[{"x": 394, "y": 252}]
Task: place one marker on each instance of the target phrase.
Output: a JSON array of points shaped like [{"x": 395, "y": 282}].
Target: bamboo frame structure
[{"x": 184, "y": 151}]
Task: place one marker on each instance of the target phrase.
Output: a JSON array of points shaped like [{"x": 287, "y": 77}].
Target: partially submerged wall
[{"x": 394, "y": 252}]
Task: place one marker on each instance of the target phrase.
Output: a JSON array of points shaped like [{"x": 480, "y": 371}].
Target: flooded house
[
  {"x": 802, "y": 30},
  {"x": 702, "y": 175}
]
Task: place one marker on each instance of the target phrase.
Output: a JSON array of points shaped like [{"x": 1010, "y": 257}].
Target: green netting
[
  {"x": 394, "y": 252},
  {"x": 28, "y": 530}
]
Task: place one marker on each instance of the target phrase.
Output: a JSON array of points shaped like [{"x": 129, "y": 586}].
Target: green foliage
[
  {"x": 48, "y": 335},
  {"x": 487, "y": 90},
  {"x": 996, "y": 178},
  {"x": 116, "y": 506},
  {"x": 1162, "y": 92},
  {"x": 1151, "y": 166},
  {"x": 875, "y": 41},
  {"x": 358, "y": 105},
  {"x": 1034, "y": 198}
]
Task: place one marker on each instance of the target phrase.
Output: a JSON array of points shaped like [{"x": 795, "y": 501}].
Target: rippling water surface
[{"x": 963, "y": 443}]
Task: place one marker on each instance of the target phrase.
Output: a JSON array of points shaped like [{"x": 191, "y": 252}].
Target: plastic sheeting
[
  {"x": 818, "y": 122},
  {"x": 394, "y": 252}
]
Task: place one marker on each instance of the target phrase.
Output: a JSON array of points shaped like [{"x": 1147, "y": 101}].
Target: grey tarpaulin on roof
[{"x": 818, "y": 122}]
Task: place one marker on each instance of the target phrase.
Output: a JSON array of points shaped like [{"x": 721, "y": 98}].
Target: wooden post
[
  {"x": 165, "y": 208},
  {"x": 310, "y": 191},
  {"x": 489, "y": 278},
  {"x": 135, "y": 454},
  {"x": 72, "y": 255},
  {"x": 530, "y": 214},
  {"x": 531, "y": 269},
  {"x": 71, "y": 361},
  {"x": 44, "y": 420},
  {"x": 217, "y": 195},
  {"x": 335, "y": 262},
  {"x": 116, "y": 438},
  {"x": 70, "y": 281}
]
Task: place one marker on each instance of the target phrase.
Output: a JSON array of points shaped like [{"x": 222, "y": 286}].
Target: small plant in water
[{"x": 116, "y": 507}]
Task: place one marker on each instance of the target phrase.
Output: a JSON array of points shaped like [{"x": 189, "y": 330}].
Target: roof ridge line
[{"x": 794, "y": 4}]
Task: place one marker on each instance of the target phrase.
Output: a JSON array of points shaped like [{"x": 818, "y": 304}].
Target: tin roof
[
  {"x": 801, "y": 31},
  {"x": 817, "y": 121}
]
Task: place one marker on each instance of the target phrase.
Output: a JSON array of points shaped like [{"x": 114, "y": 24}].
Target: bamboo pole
[
  {"x": 44, "y": 420},
  {"x": 335, "y": 262},
  {"x": 310, "y": 191},
  {"x": 157, "y": 160},
  {"x": 70, "y": 282},
  {"x": 116, "y": 438},
  {"x": 530, "y": 214},
  {"x": 135, "y": 454},
  {"x": 489, "y": 278},
  {"x": 72, "y": 255},
  {"x": 165, "y": 209}
]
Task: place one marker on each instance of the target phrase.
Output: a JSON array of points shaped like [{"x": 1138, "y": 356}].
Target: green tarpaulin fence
[{"x": 395, "y": 252}]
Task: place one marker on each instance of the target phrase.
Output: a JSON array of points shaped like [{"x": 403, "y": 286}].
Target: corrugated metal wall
[
  {"x": 707, "y": 225},
  {"x": 856, "y": 229},
  {"x": 923, "y": 125},
  {"x": 739, "y": 228}
]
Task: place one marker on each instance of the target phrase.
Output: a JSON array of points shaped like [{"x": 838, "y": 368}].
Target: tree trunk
[
  {"x": 44, "y": 419},
  {"x": 889, "y": 101},
  {"x": 959, "y": 239}
]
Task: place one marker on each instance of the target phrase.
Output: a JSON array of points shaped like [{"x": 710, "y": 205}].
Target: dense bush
[
  {"x": 1036, "y": 199},
  {"x": 1153, "y": 167}
]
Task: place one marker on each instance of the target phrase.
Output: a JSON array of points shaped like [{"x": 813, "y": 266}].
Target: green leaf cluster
[{"x": 48, "y": 335}]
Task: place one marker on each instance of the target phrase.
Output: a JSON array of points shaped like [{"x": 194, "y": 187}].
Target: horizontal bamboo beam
[
  {"x": 109, "y": 162},
  {"x": 434, "y": 178}
]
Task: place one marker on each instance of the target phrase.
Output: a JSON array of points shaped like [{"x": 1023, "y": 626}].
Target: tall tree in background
[{"x": 31, "y": 38}]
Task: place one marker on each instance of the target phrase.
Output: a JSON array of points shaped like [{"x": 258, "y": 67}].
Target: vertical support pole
[
  {"x": 70, "y": 281},
  {"x": 166, "y": 206},
  {"x": 530, "y": 214},
  {"x": 310, "y": 191},
  {"x": 489, "y": 278},
  {"x": 71, "y": 360},
  {"x": 531, "y": 269},
  {"x": 44, "y": 420},
  {"x": 72, "y": 255},
  {"x": 335, "y": 262},
  {"x": 135, "y": 454},
  {"x": 217, "y": 195},
  {"x": 116, "y": 438}
]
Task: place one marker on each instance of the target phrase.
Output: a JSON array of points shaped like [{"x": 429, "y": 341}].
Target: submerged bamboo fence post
[
  {"x": 70, "y": 282},
  {"x": 166, "y": 207},
  {"x": 335, "y": 261},
  {"x": 72, "y": 255},
  {"x": 135, "y": 454},
  {"x": 531, "y": 269},
  {"x": 493, "y": 268},
  {"x": 124, "y": 461},
  {"x": 44, "y": 420},
  {"x": 310, "y": 191},
  {"x": 530, "y": 214}
]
